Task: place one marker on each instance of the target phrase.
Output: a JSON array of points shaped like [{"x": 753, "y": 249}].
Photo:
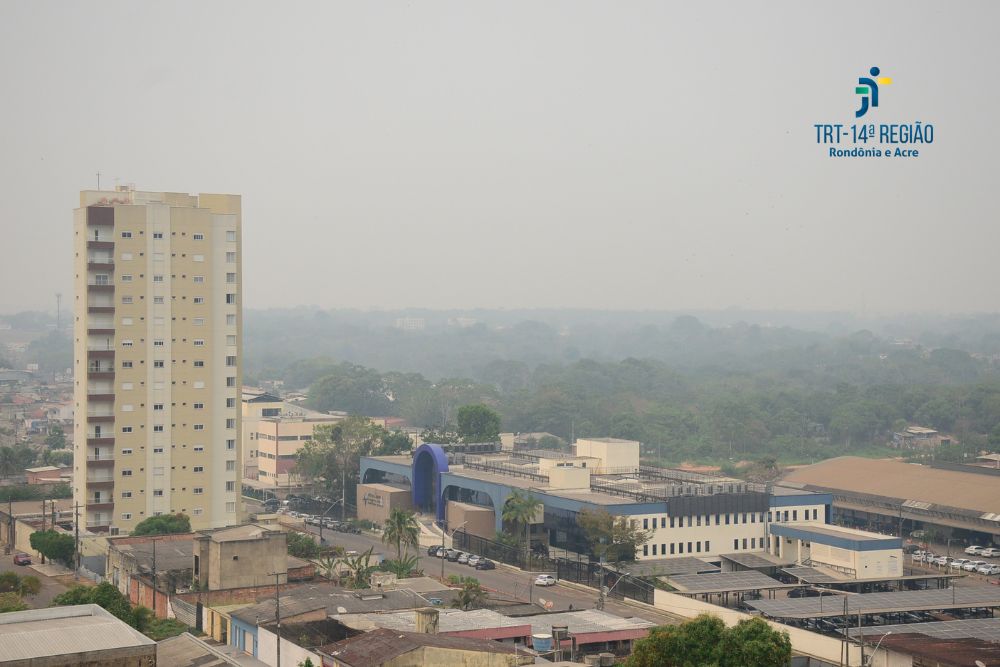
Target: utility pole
[
  {"x": 43, "y": 527},
  {"x": 154, "y": 577},
  {"x": 277, "y": 616},
  {"x": 76, "y": 530}
]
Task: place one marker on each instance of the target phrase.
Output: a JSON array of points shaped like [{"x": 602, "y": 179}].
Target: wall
[
  {"x": 569, "y": 478},
  {"x": 291, "y": 653},
  {"x": 243, "y": 563},
  {"x": 803, "y": 641},
  {"x": 376, "y": 501},
  {"x": 614, "y": 454},
  {"x": 479, "y": 521}
]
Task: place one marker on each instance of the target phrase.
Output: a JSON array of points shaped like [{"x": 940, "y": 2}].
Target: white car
[
  {"x": 473, "y": 560},
  {"x": 990, "y": 570},
  {"x": 545, "y": 580},
  {"x": 973, "y": 565},
  {"x": 990, "y": 552},
  {"x": 958, "y": 563},
  {"x": 974, "y": 550},
  {"x": 941, "y": 560}
]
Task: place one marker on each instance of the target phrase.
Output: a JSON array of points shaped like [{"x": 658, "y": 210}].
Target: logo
[{"x": 868, "y": 90}]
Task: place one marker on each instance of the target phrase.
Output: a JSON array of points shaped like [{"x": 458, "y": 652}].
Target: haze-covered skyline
[{"x": 517, "y": 155}]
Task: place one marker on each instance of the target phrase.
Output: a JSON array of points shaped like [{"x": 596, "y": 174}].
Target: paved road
[
  {"x": 508, "y": 583},
  {"x": 50, "y": 587}
]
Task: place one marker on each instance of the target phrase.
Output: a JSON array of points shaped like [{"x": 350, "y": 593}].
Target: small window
[
  {"x": 230, "y": 402},
  {"x": 127, "y": 450},
  {"x": 231, "y": 508},
  {"x": 199, "y": 300},
  {"x": 230, "y": 299},
  {"x": 199, "y": 279},
  {"x": 158, "y": 493},
  {"x": 157, "y": 235},
  {"x": 157, "y": 406},
  {"x": 126, "y": 516},
  {"x": 157, "y": 300},
  {"x": 199, "y": 406},
  {"x": 645, "y": 549},
  {"x": 198, "y": 237},
  {"x": 198, "y": 469},
  {"x": 126, "y": 494},
  {"x": 230, "y": 278},
  {"x": 230, "y": 444},
  {"x": 158, "y": 363},
  {"x": 126, "y": 473},
  {"x": 198, "y": 490},
  {"x": 230, "y": 339},
  {"x": 230, "y": 466},
  {"x": 126, "y": 343},
  {"x": 230, "y": 486},
  {"x": 199, "y": 427},
  {"x": 126, "y": 235},
  {"x": 231, "y": 257},
  {"x": 199, "y": 448},
  {"x": 736, "y": 544},
  {"x": 199, "y": 363},
  {"x": 126, "y": 278},
  {"x": 126, "y": 364},
  {"x": 157, "y": 450},
  {"x": 231, "y": 360},
  {"x": 197, "y": 511},
  {"x": 708, "y": 545},
  {"x": 158, "y": 428},
  {"x": 230, "y": 381},
  {"x": 198, "y": 321},
  {"x": 231, "y": 320},
  {"x": 126, "y": 429},
  {"x": 199, "y": 342},
  {"x": 744, "y": 543},
  {"x": 158, "y": 342},
  {"x": 231, "y": 236},
  {"x": 795, "y": 515},
  {"x": 157, "y": 279},
  {"x": 126, "y": 300}
]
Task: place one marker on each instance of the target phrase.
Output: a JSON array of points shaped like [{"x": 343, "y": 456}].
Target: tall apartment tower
[{"x": 157, "y": 358}]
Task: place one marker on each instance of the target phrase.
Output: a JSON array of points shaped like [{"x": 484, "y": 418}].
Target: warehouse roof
[
  {"x": 56, "y": 631},
  {"x": 382, "y": 645},
  {"x": 907, "y": 481}
]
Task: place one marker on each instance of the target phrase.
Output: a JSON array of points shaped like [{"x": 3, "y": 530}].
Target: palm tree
[
  {"x": 402, "y": 530},
  {"x": 470, "y": 596},
  {"x": 359, "y": 567},
  {"x": 520, "y": 509}
]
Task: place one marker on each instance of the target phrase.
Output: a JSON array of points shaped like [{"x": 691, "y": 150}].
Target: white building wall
[{"x": 291, "y": 654}]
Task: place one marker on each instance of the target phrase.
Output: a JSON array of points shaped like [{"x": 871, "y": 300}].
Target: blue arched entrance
[{"x": 429, "y": 461}]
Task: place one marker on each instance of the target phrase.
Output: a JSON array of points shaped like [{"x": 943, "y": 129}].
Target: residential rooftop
[
  {"x": 380, "y": 646},
  {"x": 62, "y": 631}
]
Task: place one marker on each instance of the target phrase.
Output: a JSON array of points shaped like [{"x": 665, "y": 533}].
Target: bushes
[
  {"x": 165, "y": 524},
  {"x": 54, "y": 546},
  {"x": 302, "y": 545},
  {"x": 110, "y": 598}
]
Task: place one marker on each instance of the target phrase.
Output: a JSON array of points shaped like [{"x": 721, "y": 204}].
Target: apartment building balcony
[
  {"x": 100, "y": 440},
  {"x": 100, "y": 264},
  {"x": 105, "y": 479},
  {"x": 100, "y": 418},
  {"x": 100, "y": 332},
  {"x": 99, "y": 505},
  {"x": 99, "y": 525},
  {"x": 100, "y": 288},
  {"x": 100, "y": 397},
  {"x": 100, "y": 458},
  {"x": 102, "y": 373},
  {"x": 97, "y": 310},
  {"x": 100, "y": 245},
  {"x": 101, "y": 353}
]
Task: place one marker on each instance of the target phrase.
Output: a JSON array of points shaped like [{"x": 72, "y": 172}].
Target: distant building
[
  {"x": 393, "y": 648},
  {"x": 69, "y": 636},
  {"x": 918, "y": 437},
  {"x": 240, "y": 557},
  {"x": 410, "y": 323},
  {"x": 48, "y": 475}
]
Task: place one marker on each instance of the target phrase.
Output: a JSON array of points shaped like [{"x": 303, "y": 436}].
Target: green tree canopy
[
  {"x": 478, "y": 423},
  {"x": 56, "y": 439},
  {"x": 705, "y": 641},
  {"x": 164, "y": 524},
  {"x": 613, "y": 539},
  {"x": 472, "y": 595},
  {"x": 401, "y": 530},
  {"x": 302, "y": 545},
  {"x": 54, "y": 545},
  {"x": 520, "y": 510}
]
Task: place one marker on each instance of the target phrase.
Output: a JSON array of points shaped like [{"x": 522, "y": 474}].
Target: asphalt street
[{"x": 504, "y": 582}]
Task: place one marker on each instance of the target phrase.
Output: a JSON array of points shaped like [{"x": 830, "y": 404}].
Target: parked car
[
  {"x": 485, "y": 564},
  {"x": 463, "y": 559},
  {"x": 917, "y": 557},
  {"x": 442, "y": 553},
  {"x": 990, "y": 570},
  {"x": 973, "y": 550},
  {"x": 473, "y": 560},
  {"x": 973, "y": 565},
  {"x": 911, "y": 548},
  {"x": 22, "y": 559},
  {"x": 958, "y": 563},
  {"x": 454, "y": 555},
  {"x": 943, "y": 560},
  {"x": 545, "y": 580},
  {"x": 433, "y": 551},
  {"x": 991, "y": 552}
]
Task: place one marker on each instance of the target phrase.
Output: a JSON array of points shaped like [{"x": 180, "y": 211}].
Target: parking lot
[{"x": 977, "y": 563}]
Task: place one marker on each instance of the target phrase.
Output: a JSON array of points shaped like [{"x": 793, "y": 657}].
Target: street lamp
[
  {"x": 335, "y": 503},
  {"x": 872, "y": 658},
  {"x": 444, "y": 531}
]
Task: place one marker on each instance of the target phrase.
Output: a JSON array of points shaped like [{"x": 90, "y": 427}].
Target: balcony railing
[
  {"x": 101, "y": 457},
  {"x": 101, "y": 331},
  {"x": 93, "y": 310},
  {"x": 98, "y": 523},
  {"x": 103, "y": 439},
  {"x": 97, "y": 396},
  {"x": 101, "y": 374},
  {"x": 100, "y": 479},
  {"x": 101, "y": 245}
]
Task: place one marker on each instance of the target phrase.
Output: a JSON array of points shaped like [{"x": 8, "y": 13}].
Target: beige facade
[
  {"x": 477, "y": 520},
  {"x": 376, "y": 501},
  {"x": 274, "y": 431},
  {"x": 614, "y": 453},
  {"x": 240, "y": 557},
  {"x": 157, "y": 357}
]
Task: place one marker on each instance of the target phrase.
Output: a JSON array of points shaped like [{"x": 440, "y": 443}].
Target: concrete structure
[
  {"x": 46, "y": 475},
  {"x": 856, "y": 553},
  {"x": 919, "y": 437},
  {"x": 186, "y": 650},
  {"x": 685, "y": 513},
  {"x": 376, "y": 501},
  {"x": 157, "y": 357},
  {"x": 475, "y": 519},
  {"x": 69, "y": 636},
  {"x": 240, "y": 557},
  {"x": 887, "y": 496},
  {"x": 394, "y": 648},
  {"x": 273, "y": 433}
]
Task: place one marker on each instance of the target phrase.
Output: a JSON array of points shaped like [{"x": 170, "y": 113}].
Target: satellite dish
[
  {"x": 341, "y": 610},
  {"x": 543, "y": 602}
]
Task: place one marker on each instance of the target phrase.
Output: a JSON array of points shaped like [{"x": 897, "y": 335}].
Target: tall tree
[
  {"x": 478, "y": 423},
  {"x": 401, "y": 530},
  {"x": 520, "y": 510},
  {"x": 705, "y": 641},
  {"x": 333, "y": 457},
  {"x": 615, "y": 540}
]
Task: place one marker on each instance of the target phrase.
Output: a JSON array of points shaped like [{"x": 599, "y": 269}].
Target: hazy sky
[{"x": 518, "y": 154}]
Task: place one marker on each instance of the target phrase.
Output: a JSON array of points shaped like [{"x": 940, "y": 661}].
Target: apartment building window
[
  {"x": 157, "y": 300},
  {"x": 689, "y": 548},
  {"x": 795, "y": 515},
  {"x": 199, "y": 406},
  {"x": 230, "y": 381},
  {"x": 198, "y": 490},
  {"x": 230, "y": 423},
  {"x": 231, "y": 361},
  {"x": 736, "y": 544},
  {"x": 230, "y": 402},
  {"x": 126, "y": 300},
  {"x": 230, "y": 465},
  {"x": 680, "y": 547},
  {"x": 230, "y": 486},
  {"x": 199, "y": 342},
  {"x": 786, "y": 516},
  {"x": 126, "y": 429},
  {"x": 199, "y": 427},
  {"x": 126, "y": 516},
  {"x": 230, "y": 278},
  {"x": 708, "y": 546},
  {"x": 157, "y": 279},
  {"x": 645, "y": 549},
  {"x": 671, "y": 522},
  {"x": 671, "y": 548},
  {"x": 697, "y": 546},
  {"x": 198, "y": 321},
  {"x": 699, "y": 520},
  {"x": 126, "y": 364},
  {"x": 770, "y": 517},
  {"x": 753, "y": 542},
  {"x": 230, "y": 339},
  {"x": 158, "y": 428},
  {"x": 230, "y": 299},
  {"x": 198, "y": 237},
  {"x": 744, "y": 543},
  {"x": 231, "y": 236},
  {"x": 716, "y": 519},
  {"x": 157, "y": 363},
  {"x": 231, "y": 257},
  {"x": 198, "y": 300},
  {"x": 199, "y": 279},
  {"x": 126, "y": 494},
  {"x": 157, "y": 450},
  {"x": 231, "y": 320},
  {"x": 158, "y": 235},
  {"x": 230, "y": 508},
  {"x": 727, "y": 518},
  {"x": 196, "y": 511},
  {"x": 230, "y": 444},
  {"x": 199, "y": 448},
  {"x": 815, "y": 514},
  {"x": 198, "y": 469},
  {"x": 126, "y": 473},
  {"x": 645, "y": 524},
  {"x": 753, "y": 517},
  {"x": 157, "y": 406},
  {"x": 127, "y": 450},
  {"x": 744, "y": 517},
  {"x": 158, "y": 493},
  {"x": 158, "y": 342},
  {"x": 126, "y": 278},
  {"x": 663, "y": 522},
  {"x": 654, "y": 549},
  {"x": 126, "y": 235}
]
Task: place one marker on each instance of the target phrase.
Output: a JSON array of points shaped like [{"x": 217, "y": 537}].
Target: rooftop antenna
[
  {"x": 58, "y": 312},
  {"x": 98, "y": 180}
]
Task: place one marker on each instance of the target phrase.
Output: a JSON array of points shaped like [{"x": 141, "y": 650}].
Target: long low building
[{"x": 887, "y": 495}]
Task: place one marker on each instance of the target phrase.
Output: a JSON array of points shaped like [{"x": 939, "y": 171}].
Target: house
[
  {"x": 76, "y": 635},
  {"x": 240, "y": 556},
  {"x": 919, "y": 437},
  {"x": 394, "y": 648},
  {"x": 47, "y": 474},
  {"x": 186, "y": 650}
]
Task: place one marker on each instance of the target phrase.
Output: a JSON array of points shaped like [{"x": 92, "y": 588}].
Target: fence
[
  {"x": 185, "y": 612},
  {"x": 584, "y": 572}
]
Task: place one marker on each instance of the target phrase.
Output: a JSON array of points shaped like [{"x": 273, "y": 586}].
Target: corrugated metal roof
[{"x": 55, "y": 631}]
